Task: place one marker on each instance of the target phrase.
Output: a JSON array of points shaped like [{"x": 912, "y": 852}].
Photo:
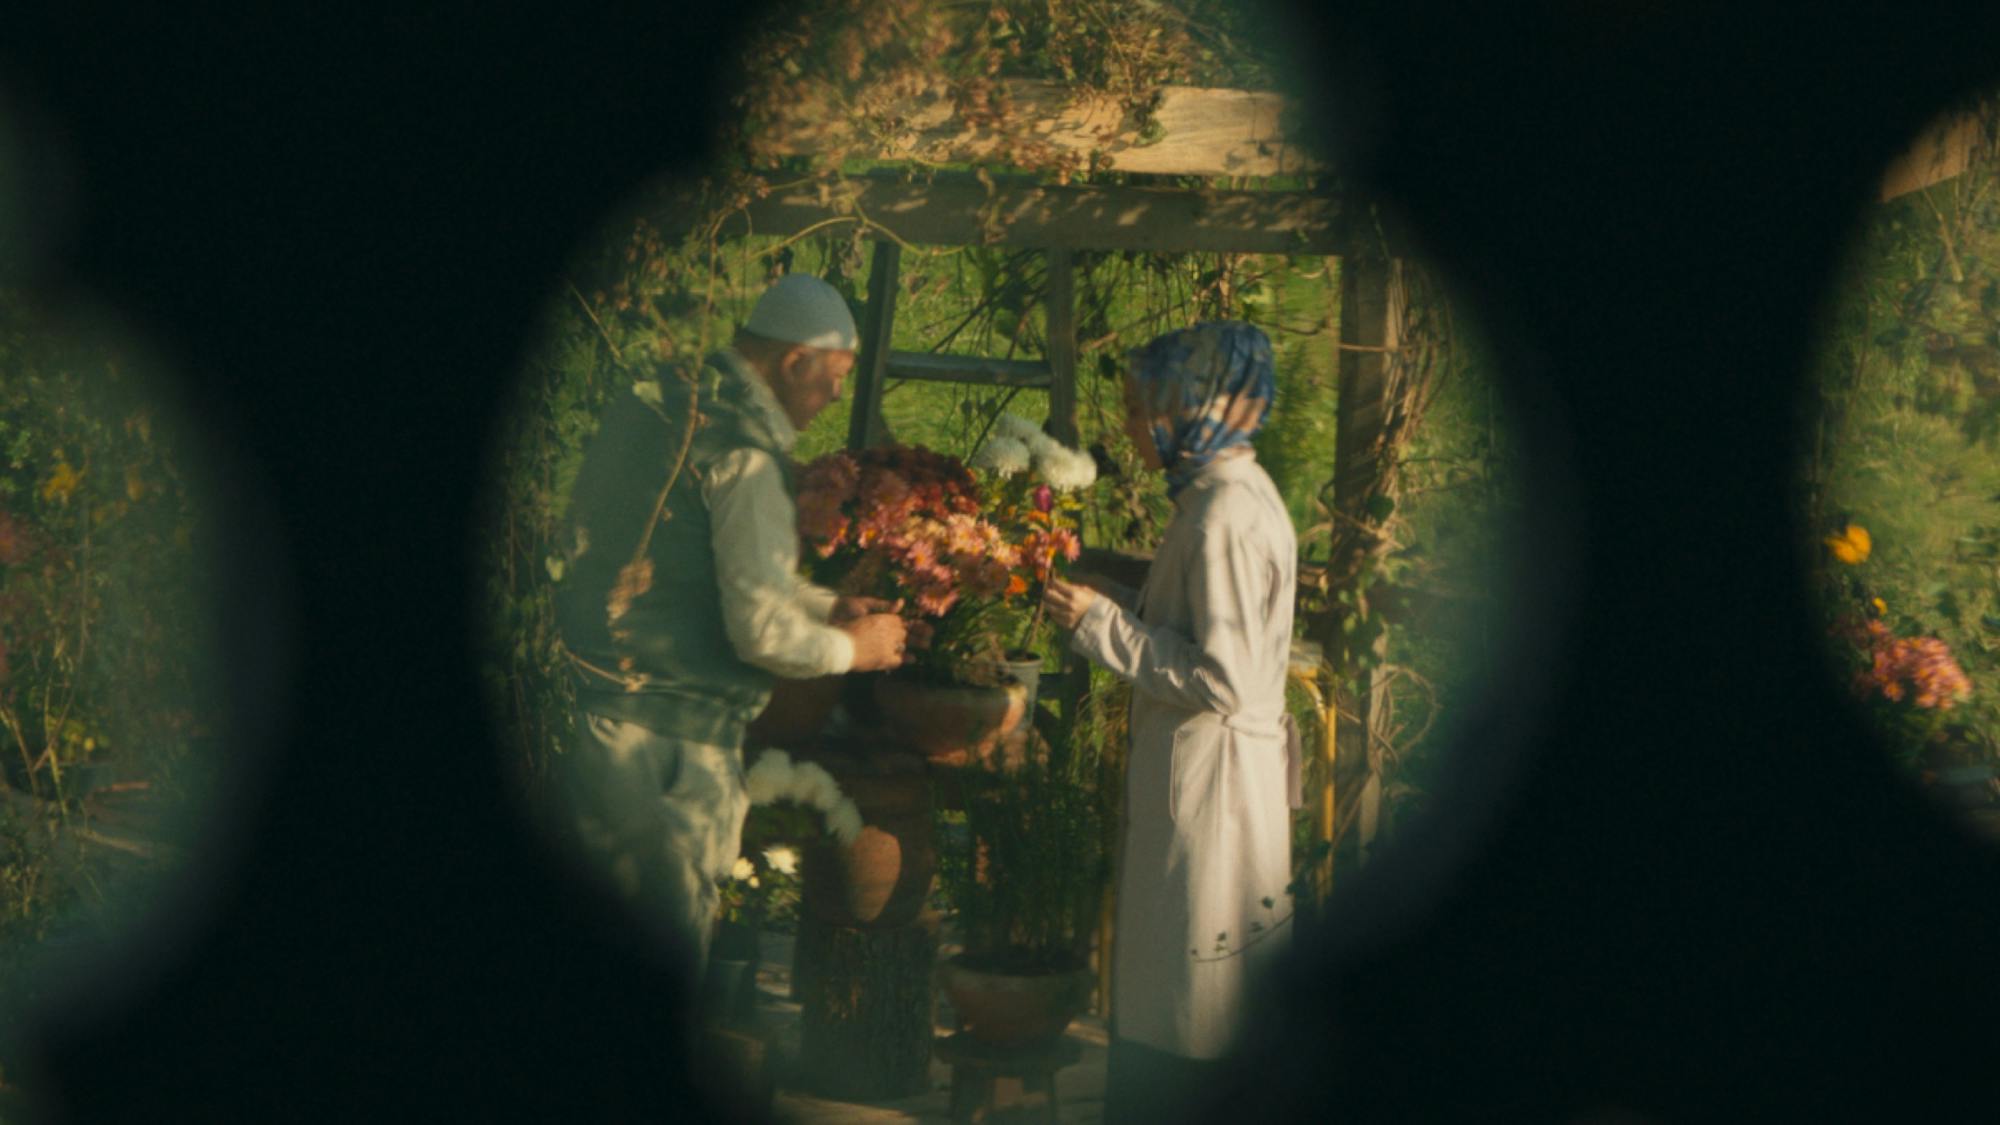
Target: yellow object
[
  {"x": 61, "y": 483},
  {"x": 1881, "y": 607},
  {"x": 1852, "y": 545}
]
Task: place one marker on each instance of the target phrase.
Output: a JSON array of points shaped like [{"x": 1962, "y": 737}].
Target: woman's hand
[
  {"x": 1066, "y": 602},
  {"x": 853, "y": 609}
]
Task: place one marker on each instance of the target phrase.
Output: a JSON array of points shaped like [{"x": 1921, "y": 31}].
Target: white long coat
[{"x": 1205, "y": 849}]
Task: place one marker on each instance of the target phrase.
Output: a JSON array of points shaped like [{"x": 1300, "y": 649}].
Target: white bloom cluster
[
  {"x": 744, "y": 871},
  {"x": 1002, "y": 456},
  {"x": 775, "y": 777},
  {"x": 1065, "y": 469},
  {"x": 784, "y": 861},
  {"x": 844, "y": 821}
]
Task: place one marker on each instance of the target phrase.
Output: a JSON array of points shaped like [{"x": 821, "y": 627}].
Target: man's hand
[
  {"x": 878, "y": 641},
  {"x": 850, "y": 609},
  {"x": 1066, "y": 602}
]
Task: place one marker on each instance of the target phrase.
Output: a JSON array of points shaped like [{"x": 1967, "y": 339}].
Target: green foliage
[
  {"x": 1905, "y": 441},
  {"x": 105, "y": 631},
  {"x": 1024, "y": 867}
]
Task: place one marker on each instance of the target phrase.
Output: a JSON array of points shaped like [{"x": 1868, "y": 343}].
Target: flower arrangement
[
  {"x": 964, "y": 552},
  {"x": 790, "y": 802}
]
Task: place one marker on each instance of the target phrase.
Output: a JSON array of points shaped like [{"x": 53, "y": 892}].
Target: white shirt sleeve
[
  {"x": 775, "y": 618},
  {"x": 1227, "y": 583},
  {"x": 815, "y": 599}
]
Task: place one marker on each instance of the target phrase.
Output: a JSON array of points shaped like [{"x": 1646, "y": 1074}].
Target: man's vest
[{"x": 643, "y": 620}]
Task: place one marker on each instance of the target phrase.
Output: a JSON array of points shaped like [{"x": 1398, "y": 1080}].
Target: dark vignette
[{"x": 1705, "y": 895}]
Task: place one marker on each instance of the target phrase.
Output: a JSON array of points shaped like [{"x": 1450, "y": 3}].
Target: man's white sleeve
[
  {"x": 775, "y": 620},
  {"x": 816, "y": 599}
]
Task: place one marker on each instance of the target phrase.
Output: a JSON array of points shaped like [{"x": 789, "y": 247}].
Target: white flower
[
  {"x": 1002, "y": 456},
  {"x": 647, "y": 391},
  {"x": 814, "y": 787},
  {"x": 783, "y": 860},
  {"x": 1019, "y": 428},
  {"x": 1066, "y": 470},
  {"x": 770, "y": 779},
  {"x": 844, "y": 821},
  {"x": 744, "y": 869}
]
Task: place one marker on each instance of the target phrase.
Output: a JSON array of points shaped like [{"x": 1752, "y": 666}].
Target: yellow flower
[
  {"x": 61, "y": 483},
  {"x": 1851, "y": 546},
  {"x": 1881, "y": 607}
]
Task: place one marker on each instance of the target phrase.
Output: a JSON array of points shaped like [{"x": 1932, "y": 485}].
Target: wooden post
[
  {"x": 1370, "y": 311},
  {"x": 865, "y": 426},
  {"x": 1061, "y": 308}
]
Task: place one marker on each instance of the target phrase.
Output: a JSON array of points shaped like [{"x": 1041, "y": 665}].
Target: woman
[{"x": 1205, "y": 848}]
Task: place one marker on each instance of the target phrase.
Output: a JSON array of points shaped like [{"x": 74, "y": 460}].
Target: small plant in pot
[
  {"x": 1024, "y": 872},
  {"x": 791, "y": 805}
]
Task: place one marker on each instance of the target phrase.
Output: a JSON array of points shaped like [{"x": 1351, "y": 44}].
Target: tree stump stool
[
  {"x": 1005, "y": 1083},
  {"x": 865, "y": 1025}
]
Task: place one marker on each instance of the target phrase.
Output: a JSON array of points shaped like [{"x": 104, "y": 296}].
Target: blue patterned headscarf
[{"x": 1208, "y": 388}]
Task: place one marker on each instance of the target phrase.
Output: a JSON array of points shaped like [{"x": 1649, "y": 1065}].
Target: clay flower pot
[
  {"x": 1004, "y": 1009},
  {"x": 883, "y": 879},
  {"x": 952, "y": 724}
]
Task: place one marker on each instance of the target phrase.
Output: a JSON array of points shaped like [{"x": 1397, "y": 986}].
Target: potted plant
[
  {"x": 793, "y": 805},
  {"x": 965, "y": 553},
  {"x": 873, "y": 867},
  {"x": 1024, "y": 873},
  {"x": 763, "y": 884}
]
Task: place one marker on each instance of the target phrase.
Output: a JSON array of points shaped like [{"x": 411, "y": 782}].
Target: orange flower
[{"x": 1852, "y": 545}]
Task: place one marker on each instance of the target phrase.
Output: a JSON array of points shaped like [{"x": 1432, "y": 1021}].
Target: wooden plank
[
  {"x": 865, "y": 426},
  {"x": 933, "y": 367},
  {"x": 1940, "y": 152},
  {"x": 960, "y": 211},
  {"x": 1187, "y": 131}
]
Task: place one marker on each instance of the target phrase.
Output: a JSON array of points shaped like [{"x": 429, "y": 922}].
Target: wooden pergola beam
[
  {"x": 1186, "y": 131},
  {"x": 962, "y": 212},
  {"x": 1940, "y": 152},
  {"x": 969, "y": 369}
]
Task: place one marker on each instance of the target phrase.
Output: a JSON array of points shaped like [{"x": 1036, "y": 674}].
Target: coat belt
[{"x": 1288, "y": 729}]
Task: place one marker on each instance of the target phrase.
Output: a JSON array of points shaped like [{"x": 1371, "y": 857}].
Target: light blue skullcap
[{"x": 802, "y": 309}]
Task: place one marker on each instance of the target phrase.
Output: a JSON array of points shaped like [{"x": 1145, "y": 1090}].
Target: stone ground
[{"x": 1079, "y": 1088}]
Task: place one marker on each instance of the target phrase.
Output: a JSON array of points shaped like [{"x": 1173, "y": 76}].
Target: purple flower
[{"x": 1045, "y": 498}]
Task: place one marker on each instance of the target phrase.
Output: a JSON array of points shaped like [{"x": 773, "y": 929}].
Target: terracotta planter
[
  {"x": 797, "y": 713},
  {"x": 883, "y": 879},
  {"x": 952, "y": 724},
  {"x": 1015, "y": 1010}
]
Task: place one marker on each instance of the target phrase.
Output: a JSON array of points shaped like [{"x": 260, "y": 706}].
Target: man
[{"x": 681, "y": 602}]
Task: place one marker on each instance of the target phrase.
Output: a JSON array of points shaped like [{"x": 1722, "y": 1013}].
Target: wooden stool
[{"x": 1004, "y": 1083}]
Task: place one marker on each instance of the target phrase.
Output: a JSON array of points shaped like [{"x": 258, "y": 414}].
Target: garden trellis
[{"x": 1191, "y": 132}]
